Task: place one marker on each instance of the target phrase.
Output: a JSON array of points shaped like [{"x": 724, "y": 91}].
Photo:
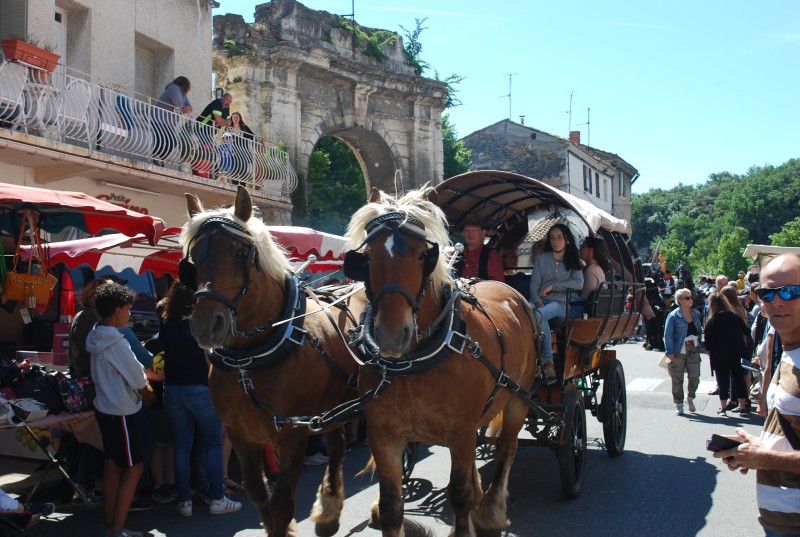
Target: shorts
[{"x": 122, "y": 440}]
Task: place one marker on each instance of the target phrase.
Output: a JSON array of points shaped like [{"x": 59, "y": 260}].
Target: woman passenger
[{"x": 556, "y": 272}]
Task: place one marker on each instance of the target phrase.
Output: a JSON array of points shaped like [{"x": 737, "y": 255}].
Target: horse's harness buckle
[
  {"x": 296, "y": 335},
  {"x": 507, "y": 382},
  {"x": 246, "y": 381},
  {"x": 455, "y": 341},
  {"x": 474, "y": 349}
]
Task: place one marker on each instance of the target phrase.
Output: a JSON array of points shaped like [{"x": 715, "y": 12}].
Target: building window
[
  {"x": 587, "y": 179},
  {"x": 597, "y": 184},
  {"x": 621, "y": 184},
  {"x": 145, "y": 71},
  {"x": 605, "y": 189}
]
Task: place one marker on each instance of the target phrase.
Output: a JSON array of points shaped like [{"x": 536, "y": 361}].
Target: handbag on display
[
  {"x": 74, "y": 393},
  {"x": 43, "y": 388},
  {"x": 30, "y": 289}
]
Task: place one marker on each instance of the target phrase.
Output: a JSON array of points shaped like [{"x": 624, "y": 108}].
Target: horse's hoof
[
  {"x": 326, "y": 529},
  {"x": 374, "y": 522}
]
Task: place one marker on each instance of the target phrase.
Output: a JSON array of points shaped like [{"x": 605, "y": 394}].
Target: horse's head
[
  {"x": 400, "y": 260},
  {"x": 235, "y": 267}
]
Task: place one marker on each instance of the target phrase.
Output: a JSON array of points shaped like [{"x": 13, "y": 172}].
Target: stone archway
[{"x": 300, "y": 78}]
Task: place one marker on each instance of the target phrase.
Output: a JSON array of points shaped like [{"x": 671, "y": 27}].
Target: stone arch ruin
[{"x": 296, "y": 77}]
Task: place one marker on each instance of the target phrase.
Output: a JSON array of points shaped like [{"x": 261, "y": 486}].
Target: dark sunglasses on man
[{"x": 787, "y": 292}]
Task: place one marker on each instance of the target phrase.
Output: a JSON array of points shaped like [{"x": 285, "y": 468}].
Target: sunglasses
[
  {"x": 787, "y": 292},
  {"x": 687, "y": 298}
]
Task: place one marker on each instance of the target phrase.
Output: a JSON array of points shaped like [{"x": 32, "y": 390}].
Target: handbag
[
  {"x": 31, "y": 289},
  {"x": 148, "y": 395},
  {"x": 26, "y": 410},
  {"x": 73, "y": 394},
  {"x": 664, "y": 361},
  {"x": 43, "y": 389}
]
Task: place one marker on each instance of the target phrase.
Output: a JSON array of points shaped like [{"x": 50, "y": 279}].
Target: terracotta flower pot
[{"x": 17, "y": 50}]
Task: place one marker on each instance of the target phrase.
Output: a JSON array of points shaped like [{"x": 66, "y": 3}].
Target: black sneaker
[
  {"x": 42, "y": 509},
  {"x": 164, "y": 494},
  {"x": 140, "y": 504}
]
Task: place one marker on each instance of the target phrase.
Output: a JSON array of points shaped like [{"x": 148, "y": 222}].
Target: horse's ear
[
  {"x": 244, "y": 204},
  {"x": 193, "y": 204},
  {"x": 375, "y": 195}
]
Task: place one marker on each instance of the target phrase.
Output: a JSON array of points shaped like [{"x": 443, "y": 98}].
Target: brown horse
[
  {"x": 432, "y": 342},
  {"x": 264, "y": 371}
]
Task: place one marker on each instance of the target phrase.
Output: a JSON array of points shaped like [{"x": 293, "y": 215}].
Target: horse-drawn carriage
[
  {"x": 437, "y": 358},
  {"x": 520, "y": 211}
]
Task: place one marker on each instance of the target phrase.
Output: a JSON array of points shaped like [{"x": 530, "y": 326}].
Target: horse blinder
[
  {"x": 187, "y": 273},
  {"x": 356, "y": 266},
  {"x": 429, "y": 259}
]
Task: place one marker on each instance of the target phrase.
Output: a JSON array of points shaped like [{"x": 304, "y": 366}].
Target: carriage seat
[{"x": 521, "y": 283}]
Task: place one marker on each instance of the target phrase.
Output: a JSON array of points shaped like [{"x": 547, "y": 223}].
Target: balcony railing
[{"x": 115, "y": 120}]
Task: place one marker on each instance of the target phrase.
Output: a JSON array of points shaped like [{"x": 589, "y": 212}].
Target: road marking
[
  {"x": 643, "y": 385},
  {"x": 651, "y": 385}
]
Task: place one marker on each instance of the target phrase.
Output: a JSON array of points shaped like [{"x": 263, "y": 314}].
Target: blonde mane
[
  {"x": 272, "y": 258},
  {"x": 413, "y": 204}
]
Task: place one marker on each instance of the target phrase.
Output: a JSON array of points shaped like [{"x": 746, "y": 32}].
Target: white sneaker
[
  {"x": 690, "y": 404},
  {"x": 184, "y": 508},
  {"x": 679, "y": 409},
  {"x": 224, "y": 505},
  {"x": 316, "y": 459}
]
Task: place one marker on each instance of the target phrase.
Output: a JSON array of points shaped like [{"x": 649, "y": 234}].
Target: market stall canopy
[
  {"x": 56, "y": 210},
  {"x": 120, "y": 252},
  {"x": 764, "y": 252},
  {"x": 505, "y": 199}
]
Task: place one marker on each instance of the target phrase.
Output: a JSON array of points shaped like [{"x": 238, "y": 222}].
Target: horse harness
[
  {"x": 448, "y": 331},
  {"x": 282, "y": 341}
]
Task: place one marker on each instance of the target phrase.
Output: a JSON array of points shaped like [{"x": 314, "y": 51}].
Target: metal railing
[{"x": 115, "y": 120}]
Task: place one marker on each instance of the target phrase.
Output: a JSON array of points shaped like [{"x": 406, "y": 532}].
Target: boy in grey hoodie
[{"x": 118, "y": 377}]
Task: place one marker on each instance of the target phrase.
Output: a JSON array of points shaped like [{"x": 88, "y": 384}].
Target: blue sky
[{"x": 680, "y": 89}]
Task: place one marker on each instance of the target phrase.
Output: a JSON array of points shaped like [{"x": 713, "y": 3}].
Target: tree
[
  {"x": 789, "y": 235},
  {"x": 336, "y": 184},
  {"x": 457, "y": 158},
  {"x": 729, "y": 258}
]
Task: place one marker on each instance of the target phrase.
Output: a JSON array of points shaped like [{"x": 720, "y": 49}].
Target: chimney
[
  {"x": 575, "y": 137},
  {"x": 522, "y": 120}
]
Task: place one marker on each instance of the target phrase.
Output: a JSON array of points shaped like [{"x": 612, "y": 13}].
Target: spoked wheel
[
  {"x": 614, "y": 406},
  {"x": 572, "y": 453},
  {"x": 409, "y": 460},
  {"x": 485, "y": 447}
]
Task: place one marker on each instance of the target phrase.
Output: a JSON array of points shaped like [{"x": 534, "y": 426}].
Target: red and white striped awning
[{"x": 120, "y": 252}]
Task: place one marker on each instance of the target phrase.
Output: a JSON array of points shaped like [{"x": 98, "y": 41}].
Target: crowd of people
[{"x": 147, "y": 444}]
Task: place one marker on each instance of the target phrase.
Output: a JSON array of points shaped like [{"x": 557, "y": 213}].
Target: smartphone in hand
[{"x": 721, "y": 443}]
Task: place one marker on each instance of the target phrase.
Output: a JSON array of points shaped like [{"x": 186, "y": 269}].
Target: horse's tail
[{"x": 368, "y": 469}]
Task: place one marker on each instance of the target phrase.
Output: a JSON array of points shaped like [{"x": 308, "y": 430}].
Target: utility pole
[
  {"x": 509, "y": 92},
  {"x": 588, "y": 127}
]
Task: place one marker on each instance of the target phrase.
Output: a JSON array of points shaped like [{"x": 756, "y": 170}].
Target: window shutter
[
  {"x": 13, "y": 19},
  {"x": 145, "y": 70}
]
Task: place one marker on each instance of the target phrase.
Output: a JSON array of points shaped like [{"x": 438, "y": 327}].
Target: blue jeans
[
  {"x": 769, "y": 533},
  {"x": 551, "y": 310},
  {"x": 188, "y": 407}
]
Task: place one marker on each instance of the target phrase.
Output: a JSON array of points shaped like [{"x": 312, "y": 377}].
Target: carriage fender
[{"x": 606, "y": 355}]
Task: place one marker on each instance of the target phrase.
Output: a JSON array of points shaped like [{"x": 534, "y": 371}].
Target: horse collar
[
  {"x": 280, "y": 344},
  {"x": 450, "y": 338}
]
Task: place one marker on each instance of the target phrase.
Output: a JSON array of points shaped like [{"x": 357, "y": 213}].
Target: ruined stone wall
[{"x": 299, "y": 79}]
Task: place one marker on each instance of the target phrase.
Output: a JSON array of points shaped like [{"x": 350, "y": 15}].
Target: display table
[{"x": 83, "y": 427}]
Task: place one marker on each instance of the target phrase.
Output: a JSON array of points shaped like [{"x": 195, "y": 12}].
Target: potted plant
[{"x": 31, "y": 52}]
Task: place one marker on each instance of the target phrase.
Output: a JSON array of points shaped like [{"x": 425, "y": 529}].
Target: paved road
[{"x": 665, "y": 484}]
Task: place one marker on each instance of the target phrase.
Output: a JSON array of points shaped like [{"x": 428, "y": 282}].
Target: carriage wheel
[
  {"x": 409, "y": 460},
  {"x": 485, "y": 447},
  {"x": 572, "y": 453},
  {"x": 614, "y": 409}
]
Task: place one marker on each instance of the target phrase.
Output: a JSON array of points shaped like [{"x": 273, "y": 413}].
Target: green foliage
[
  {"x": 709, "y": 225},
  {"x": 370, "y": 42},
  {"x": 788, "y": 236},
  {"x": 457, "y": 158},
  {"x": 237, "y": 79},
  {"x": 232, "y": 48},
  {"x": 336, "y": 184},
  {"x": 451, "y": 82},
  {"x": 413, "y": 47}
]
